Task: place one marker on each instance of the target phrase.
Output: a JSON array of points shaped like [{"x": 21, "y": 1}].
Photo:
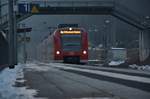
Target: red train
[{"x": 68, "y": 44}]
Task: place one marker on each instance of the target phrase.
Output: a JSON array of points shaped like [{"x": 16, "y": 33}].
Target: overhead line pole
[
  {"x": 15, "y": 35},
  {"x": 11, "y": 35},
  {"x": 0, "y": 8}
]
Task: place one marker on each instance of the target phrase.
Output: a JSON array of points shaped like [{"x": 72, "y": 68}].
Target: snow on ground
[
  {"x": 105, "y": 73},
  {"x": 35, "y": 67},
  {"x": 7, "y": 84},
  {"x": 145, "y": 67},
  {"x": 116, "y": 63}
]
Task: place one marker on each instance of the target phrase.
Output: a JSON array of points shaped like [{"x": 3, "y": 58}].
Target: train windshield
[{"x": 71, "y": 42}]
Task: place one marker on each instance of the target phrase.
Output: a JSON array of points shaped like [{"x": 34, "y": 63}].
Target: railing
[
  {"x": 4, "y": 4},
  {"x": 4, "y": 15},
  {"x": 64, "y": 3},
  {"x": 4, "y": 19}
]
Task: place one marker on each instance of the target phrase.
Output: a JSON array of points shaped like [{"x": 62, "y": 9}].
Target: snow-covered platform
[{"x": 70, "y": 81}]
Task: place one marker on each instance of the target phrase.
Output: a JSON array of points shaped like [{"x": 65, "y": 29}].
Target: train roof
[{"x": 67, "y": 25}]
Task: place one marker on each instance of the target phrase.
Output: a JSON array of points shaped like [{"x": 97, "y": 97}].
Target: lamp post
[
  {"x": 106, "y": 34},
  {"x": 22, "y": 25},
  {"x": 106, "y": 39},
  {"x": 107, "y": 22},
  {"x": 147, "y": 18},
  {"x": 24, "y": 44}
]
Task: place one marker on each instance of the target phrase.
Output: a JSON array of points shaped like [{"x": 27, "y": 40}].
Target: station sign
[
  {"x": 21, "y": 30},
  {"x": 25, "y": 8}
]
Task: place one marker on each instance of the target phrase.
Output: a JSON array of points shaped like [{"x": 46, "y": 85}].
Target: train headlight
[
  {"x": 61, "y": 32},
  {"x": 57, "y": 52},
  {"x": 84, "y": 52},
  {"x": 70, "y": 29}
]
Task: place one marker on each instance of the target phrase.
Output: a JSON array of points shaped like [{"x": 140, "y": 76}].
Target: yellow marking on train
[{"x": 70, "y": 32}]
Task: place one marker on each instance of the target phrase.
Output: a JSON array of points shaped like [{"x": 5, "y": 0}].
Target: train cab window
[{"x": 71, "y": 42}]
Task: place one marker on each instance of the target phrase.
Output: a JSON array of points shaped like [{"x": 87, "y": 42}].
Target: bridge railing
[
  {"x": 71, "y": 3},
  {"x": 3, "y": 12}
]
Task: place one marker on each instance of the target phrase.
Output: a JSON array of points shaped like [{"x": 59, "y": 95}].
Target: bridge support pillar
[
  {"x": 3, "y": 51},
  {"x": 12, "y": 35},
  {"x": 144, "y": 45}
]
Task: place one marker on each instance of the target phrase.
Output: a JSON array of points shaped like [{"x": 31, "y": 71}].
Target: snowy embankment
[
  {"x": 116, "y": 63},
  {"x": 134, "y": 66},
  {"x": 8, "y": 79},
  {"x": 144, "y": 67}
]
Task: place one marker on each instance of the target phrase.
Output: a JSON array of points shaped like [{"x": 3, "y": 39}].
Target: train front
[{"x": 71, "y": 45}]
